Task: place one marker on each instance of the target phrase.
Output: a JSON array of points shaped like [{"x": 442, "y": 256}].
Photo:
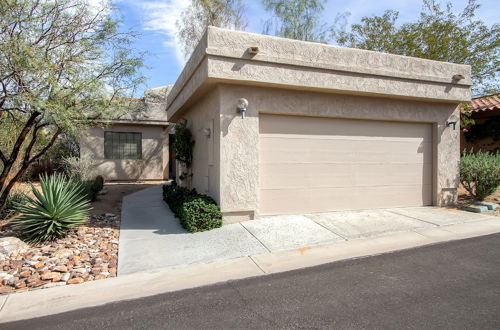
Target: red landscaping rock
[
  {"x": 87, "y": 253},
  {"x": 77, "y": 280}
]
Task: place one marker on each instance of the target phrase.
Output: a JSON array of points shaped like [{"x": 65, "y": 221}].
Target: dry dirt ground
[
  {"x": 89, "y": 252},
  {"x": 110, "y": 198}
]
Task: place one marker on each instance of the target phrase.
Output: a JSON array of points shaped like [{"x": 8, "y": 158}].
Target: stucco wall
[
  {"x": 206, "y": 154},
  {"x": 222, "y": 56},
  {"x": 239, "y": 145},
  {"x": 152, "y": 166}
]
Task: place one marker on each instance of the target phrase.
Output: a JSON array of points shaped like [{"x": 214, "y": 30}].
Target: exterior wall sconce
[
  {"x": 254, "y": 50},
  {"x": 241, "y": 108},
  {"x": 458, "y": 77},
  {"x": 207, "y": 131},
  {"x": 451, "y": 123}
]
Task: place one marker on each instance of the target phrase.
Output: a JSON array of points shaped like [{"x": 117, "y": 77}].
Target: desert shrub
[
  {"x": 93, "y": 187},
  {"x": 9, "y": 208},
  {"x": 59, "y": 206},
  {"x": 480, "y": 173},
  {"x": 80, "y": 168},
  {"x": 196, "y": 212}
]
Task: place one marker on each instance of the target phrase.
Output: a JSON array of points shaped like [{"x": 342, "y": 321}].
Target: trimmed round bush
[
  {"x": 61, "y": 204},
  {"x": 200, "y": 213},
  {"x": 480, "y": 173}
]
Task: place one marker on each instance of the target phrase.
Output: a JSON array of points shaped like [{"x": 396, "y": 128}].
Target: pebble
[{"x": 87, "y": 253}]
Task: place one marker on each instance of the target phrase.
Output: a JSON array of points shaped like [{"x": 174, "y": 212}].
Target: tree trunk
[
  {"x": 25, "y": 164},
  {"x": 16, "y": 149}
]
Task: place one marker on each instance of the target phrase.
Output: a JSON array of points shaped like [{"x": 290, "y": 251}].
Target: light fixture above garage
[
  {"x": 451, "y": 123},
  {"x": 241, "y": 108}
]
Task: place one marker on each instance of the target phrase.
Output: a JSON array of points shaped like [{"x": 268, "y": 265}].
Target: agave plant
[{"x": 60, "y": 205}]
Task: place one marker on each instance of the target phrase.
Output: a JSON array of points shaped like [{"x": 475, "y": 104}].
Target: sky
[{"x": 155, "y": 20}]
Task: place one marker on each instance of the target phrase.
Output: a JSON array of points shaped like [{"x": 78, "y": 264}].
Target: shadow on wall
[{"x": 135, "y": 169}]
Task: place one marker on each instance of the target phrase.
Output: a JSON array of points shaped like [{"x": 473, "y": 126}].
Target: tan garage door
[{"x": 310, "y": 164}]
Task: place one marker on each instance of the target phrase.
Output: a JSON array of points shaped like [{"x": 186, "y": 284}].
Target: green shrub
[
  {"x": 9, "y": 207},
  {"x": 196, "y": 212},
  {"x": 175, "y": 196},
  {"x": 60, "y": 205},
  {"x": 480, "y": 173}
]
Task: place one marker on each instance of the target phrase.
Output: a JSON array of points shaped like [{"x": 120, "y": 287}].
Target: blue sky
[{"x": 156, "y": 20}]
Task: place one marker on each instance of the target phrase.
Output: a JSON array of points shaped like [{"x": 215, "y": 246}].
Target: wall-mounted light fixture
[
  {"x": 207, "y": 131},
  {"x": 458, "y": 77},
  {"x": 241, "y": 108},
  {"x": 254, "y": 50},
  {"x": 451, "y": 123}
]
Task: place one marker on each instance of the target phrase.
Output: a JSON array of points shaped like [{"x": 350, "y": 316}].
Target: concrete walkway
[
  {"x": 30, "y": 304},
  {"x": 152, "y": 238}
]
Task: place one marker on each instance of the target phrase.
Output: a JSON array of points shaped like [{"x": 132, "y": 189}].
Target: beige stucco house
[
  {"x": 135, "y": 146},
  {"x": 325, "y": 128}
]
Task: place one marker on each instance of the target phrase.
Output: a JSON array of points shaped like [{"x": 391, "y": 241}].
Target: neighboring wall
[
  {"x": 152, "y": 166},
  {"x": 239, "y": 149},
  {"x": 203, "y": 117}
]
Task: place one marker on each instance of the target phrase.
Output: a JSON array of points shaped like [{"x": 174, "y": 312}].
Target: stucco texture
[
  {"x": 299, "y": 78},
  {"x": 152, "y": 166}
]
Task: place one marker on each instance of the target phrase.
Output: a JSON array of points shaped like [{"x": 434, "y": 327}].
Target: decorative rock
[
  {"x": 80, "y": 270},
  {"x": 50, "y": 276},
  {"x": 63, "y": 253},
  {"x": 39, "y": 264},
  {"x": 84, "y": 254},
  {"x": 25, "y": 274},
  {"x": 61, "y": 269},
  {"x": 76, "y": 280},
  {"x": 66, "y": 277},
  {"x": 10, "y": 245},
  {"x": 5, "y": 289}
]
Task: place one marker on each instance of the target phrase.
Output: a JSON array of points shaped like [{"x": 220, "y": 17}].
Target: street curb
[{"x": 32, "y": 304}]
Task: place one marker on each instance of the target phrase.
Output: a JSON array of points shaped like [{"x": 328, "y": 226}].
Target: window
[{"x": 122, "y": 145}]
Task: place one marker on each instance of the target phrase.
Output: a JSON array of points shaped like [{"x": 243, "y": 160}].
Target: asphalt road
[{"x": 448, "y": 286}]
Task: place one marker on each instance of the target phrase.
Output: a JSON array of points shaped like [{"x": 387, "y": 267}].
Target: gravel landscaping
[{"x": 87, "y": 253}]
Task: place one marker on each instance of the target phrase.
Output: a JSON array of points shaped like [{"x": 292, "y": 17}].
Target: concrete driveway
[{"x": 152, "y": 238}]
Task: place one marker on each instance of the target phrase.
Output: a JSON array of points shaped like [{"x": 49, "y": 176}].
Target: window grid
[{"x": 122, "y": 145}]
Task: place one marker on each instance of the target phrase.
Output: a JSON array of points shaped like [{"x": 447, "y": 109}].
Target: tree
[
  {"x": 63, "y": 64},
  {"x": 300, "y": 19},
  {"x": 202, "y": 13},
  {"x": 438, "y": 34}
]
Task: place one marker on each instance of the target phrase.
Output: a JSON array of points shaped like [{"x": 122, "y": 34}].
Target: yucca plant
[{"x": 60, "y": 205}]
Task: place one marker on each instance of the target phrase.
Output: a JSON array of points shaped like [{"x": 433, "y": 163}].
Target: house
[
  {"x": 485, "y": 133},
  {"x": 135, "y": 146},
  {"x": 287, "y": 127}
]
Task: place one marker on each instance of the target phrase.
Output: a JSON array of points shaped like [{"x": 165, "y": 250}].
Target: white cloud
[{"x": 161, "y": 17}]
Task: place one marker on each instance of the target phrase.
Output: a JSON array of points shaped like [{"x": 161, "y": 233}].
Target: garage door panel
[
  {"x": 274, "y": 149},
  {"x": 338, "y": 199},
  {"x": 313, "y": 126},
  {"x": 322, "y": 164},
  {"x": 302, "y": 175}
]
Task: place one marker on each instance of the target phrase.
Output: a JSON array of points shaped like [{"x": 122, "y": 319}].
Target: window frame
[{"x": 118, "y": 145}]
